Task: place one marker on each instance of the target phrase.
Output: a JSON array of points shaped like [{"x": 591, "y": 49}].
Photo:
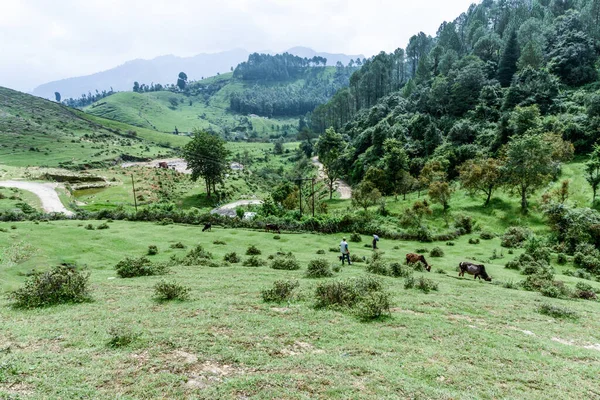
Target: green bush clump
[
  {"x": 585, "y": 291},
  {"x": 254, "y": 261},
  {"x": 152, "y": 250},
  {"x": 103, "y": 225},
  {"x": 561, "y": 258},
  {"x": 426, "y": 285},
  {"x": 409, "y": 282},
  {"x": 61, "y": 284},
  {"x": 133, "y": 267},
  {"x": 334, "y": 249},
  {"x": 89, "y": 227},
  {"x": 219, "y": 242},
  {"x": 587, "y": 257},
  {"x": 473, "y": 241},
  {"x": 285, "y": 262},
  {"x": 280, "y": 292},
  {"x": 346, "y": 293},
  {"x": 485, "y": 235},
  {"x": 165, "y": 291},
  {"x": 422, "y": 251},
  {"x": 449, "y": 243},
  {"x": 510, "y": 285},
  {"x": 232, "y": 258},
  {"x": 178, "y": 245},
  {"x": 165, "y": 221},
  {"x": 557, "y": 312},
  {"x": 440, "y": 271},
  {"x": 318, "y": 268},
  {"x": 355, "y": 237},
  {"x": 320, "y": 251},
  {"x": 355, "y": 258},
  {"x": 513, "y": 264},
  {"x": 514, "y": 236},
  {"x": 416, "y": 266},
  {"x": 374, "y": 305},
  {"x": 121, "y": 337},
  {"x": 277, "y": 237},
  {"x": 253, "y": 251},
  {"x": 196, "y": 256},
  {"x": 398, "y": 270},
  {"x": 436, "y": 252},
  {"x": 464, "y": 223}
]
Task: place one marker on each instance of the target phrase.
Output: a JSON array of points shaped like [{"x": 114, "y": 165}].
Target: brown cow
[
  {"x": 272, "y": 227},
  {"x": 477, "y": 270},
  {"x": 413, "y": 258},
  {"x": 163, "y": 164}
]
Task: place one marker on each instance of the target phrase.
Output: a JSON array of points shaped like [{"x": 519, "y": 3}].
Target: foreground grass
[{"x": 469, "y": 340}]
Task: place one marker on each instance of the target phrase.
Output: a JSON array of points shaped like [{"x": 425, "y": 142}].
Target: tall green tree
[
  {"x": 481, "y": 176},
  {"x": 508, "y": 61},
  {"x": 365, "y": 195},
  {"x": 57, "y": 97},
  {"x": 182, "y": 80},
  {"x": 207, "y": 157},
  {"x": 528, "y": 166},
  {"x": 592, "y": 171},
  {"x": 396, "y": 164},
  {"x": 329, "y": 149},
  {"x": 531, "y": 56}
]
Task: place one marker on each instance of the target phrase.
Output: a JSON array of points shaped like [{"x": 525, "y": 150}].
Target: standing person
[
  {"x": 345, "y": 251},
  {"x": 375, "y": 240}
]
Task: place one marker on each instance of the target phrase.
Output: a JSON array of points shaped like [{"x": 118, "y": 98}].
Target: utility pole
[
  {"x": 300, "y": 180},
  {"x": 134, "y": 199},
  {"x": 312, "y": 191}
]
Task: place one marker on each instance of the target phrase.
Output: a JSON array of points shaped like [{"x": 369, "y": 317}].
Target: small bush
[
  {"x": 280, "y": 292},
  {"x": 89, "y": 227},
  {"x": 103, "y": 226},
  {"x": 409, "y": 282},
  {"x": 561, "y": 259},
  {"x": 398, "y": 270},
  {"x": 449, "y": 243},
  {"x": 550, "y": 291},
  {"x": 509, "y": 285},
  {"x": 465, "y": 223},
  {"x": 514, "y": 236},
  {"x": 178, "y": 245},
  {"x": 320, "y": 251},
  {"x": 355, "y": 237},
  {"x": 254, "y": 261},
  {"x": 61, "y": 284},
  {"x": 557, "y": 312},
  {"x": 196, "y": 256},
  {"x": 345, "y": 293},
  {"x": 133, "y": 267},
  {"x": 440, "y": 271},
  {"x": 367, "y": 246},
  {"x": 152, "y": 250},
  {"x": 121, "y": 337},
  {"x": 374, "y": 305},
  {"x": 422, "y": 251},
  {"x": 417, "y": 266},
  {"x": 285, "y": 262},
  {"x": 276, "y": 237},
  {"x": 473, "y": 241},
  {"x": 334, "y": 249},
  {"x": 318, "y": 268},
  {"x": 253, "y": 251},
  {"x": 436, "y": 252},
  {"x": 355, "y": 258},
  {"x": 232, "y": 258},
  {"x": 165, "y": 221},
  {"x": 584, "y": 291},
  {"x": 396, "y": 247},
  {"x": 219, "y": 243},
  {"x": 165, "y": 291},
  {"x": 513, "y": 264},
  {"x": 485, "y": 235},
  {"x": 378, "y": 267},
  {"x": 426, "y": 285}
]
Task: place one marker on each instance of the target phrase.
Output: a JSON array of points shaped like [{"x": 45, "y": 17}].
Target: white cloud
[{"x": 43, "y": 40}]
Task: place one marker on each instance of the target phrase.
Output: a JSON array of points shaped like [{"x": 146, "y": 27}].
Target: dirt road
[
  {"x": 229, "y": 208},
  {"x": 343, "y": 188},
  {"x": 45, "y": 191}
]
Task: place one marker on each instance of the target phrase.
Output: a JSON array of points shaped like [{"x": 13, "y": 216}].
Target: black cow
[
  {"x": 207, "y": 227},
  {"x": 272, "y": 227},
  {"x": 478, "y": 271}
]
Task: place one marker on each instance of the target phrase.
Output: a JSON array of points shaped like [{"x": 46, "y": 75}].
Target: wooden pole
[
  {"x": 312, "y": 189},
  {"x": 300, "y": 190},
  {"x": 134, "y": 199}
]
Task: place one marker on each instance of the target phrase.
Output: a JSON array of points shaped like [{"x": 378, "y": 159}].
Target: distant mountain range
[{"x": 164, "y": 70}]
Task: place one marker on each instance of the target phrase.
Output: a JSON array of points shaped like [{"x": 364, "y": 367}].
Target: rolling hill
[{"x": 38, "y": 132}]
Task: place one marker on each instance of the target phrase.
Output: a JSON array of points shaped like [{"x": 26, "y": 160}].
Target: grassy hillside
[
  {"x": 34, "y": 131},
  {"x": 468, "y": 340},
  {"x": 206, "y": 106}
]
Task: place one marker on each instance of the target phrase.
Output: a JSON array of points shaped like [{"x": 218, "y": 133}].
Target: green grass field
[{"x": 469, "y": 340}]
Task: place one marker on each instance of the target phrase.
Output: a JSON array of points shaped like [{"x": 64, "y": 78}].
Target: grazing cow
[
  {"x": 413, "y": 258},
  {"x": 478, "y": 271},
  {"x": 272, "y": 227},
  {"x": 163, "y": 164},
  {"x": 207, "y": 227}
]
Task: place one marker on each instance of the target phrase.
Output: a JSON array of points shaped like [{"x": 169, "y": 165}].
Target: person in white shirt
[{"x": 345, "y": 251}]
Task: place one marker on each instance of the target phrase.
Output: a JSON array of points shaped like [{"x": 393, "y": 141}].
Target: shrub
[
  {"x": 355, "y": 237},
  {"x": 320, "y": 251},
  {"x": 345, "y": 293},
  {"x": 557, "y": 311},
  {"x": 103, "y": 225},
  {"x": 165, "y": 221},
  {"x": 121, "y": 337},
  {"x": 132, "y": 267},
  {"x": 465, "y": 223},
  {"x": 254, "y": 261},
  {"x": 398, "y": 270},
  {"x": 367, "y": 246},
  {"x": 537, "y": 281},
  {"x": 561, "y": 259},
  {"x": 196, "y": 256},
  {"x": 514, "y": 236},
  {"x": 61, "y": 284},
  {"x": 550, "y": 291},
  {"x": 220, "y": 243},
  {"x": 436, "y": 252},
  {"x": 286, "y": 262},
  {"x": 485, "y": 235},
  {"x": 334, "y": 249},
  {"x": 355, "y": 258},
  {"x": 232, "y": 258},
  {"x": 276, "y": 237},
  {"x": 178, "y": 245},
  {"x": 509, "y": 285},
  {"x": 440, "y": 271},
  {"x": 449, "y": 243},
  {"x": 417, "y": 266},
  {"x": 409, "y": 282},
  {"x": 318, "y": 268},
  {"x": 253, "y": 251},
  {"x": 378, "y": 267},
  {"x": 426, "y": 285},
  {"x": 152, "y": 250},
  {"x": 513, "y": 264},
  {"x": 374, "y": 305},
  {"x": 422, "y": 251},
  {"x": 584, "y": 291},
  {"x": 280, "y": 292},
  {"x": 473, "y": 241},
  {"x": 89, "y": 227},
  {"x": 165, "y": 291}
]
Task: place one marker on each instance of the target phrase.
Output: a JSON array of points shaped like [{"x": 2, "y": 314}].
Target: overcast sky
[{"x": 46, "y": 40}]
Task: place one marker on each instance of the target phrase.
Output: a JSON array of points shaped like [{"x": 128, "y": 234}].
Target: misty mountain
[{"x": 164, "y": 70}]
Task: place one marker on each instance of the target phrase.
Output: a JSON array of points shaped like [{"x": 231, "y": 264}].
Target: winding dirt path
[
  {"x": 45, "y": 191},
  {"x": 343, "y": 188}
]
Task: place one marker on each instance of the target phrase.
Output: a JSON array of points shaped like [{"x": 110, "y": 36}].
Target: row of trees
[
  {"x": 278, "y": 67},
  {"x": 85, "y": 99}
]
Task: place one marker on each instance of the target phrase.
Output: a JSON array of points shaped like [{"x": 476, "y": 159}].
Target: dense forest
[{"x": 504, "y": 74}]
